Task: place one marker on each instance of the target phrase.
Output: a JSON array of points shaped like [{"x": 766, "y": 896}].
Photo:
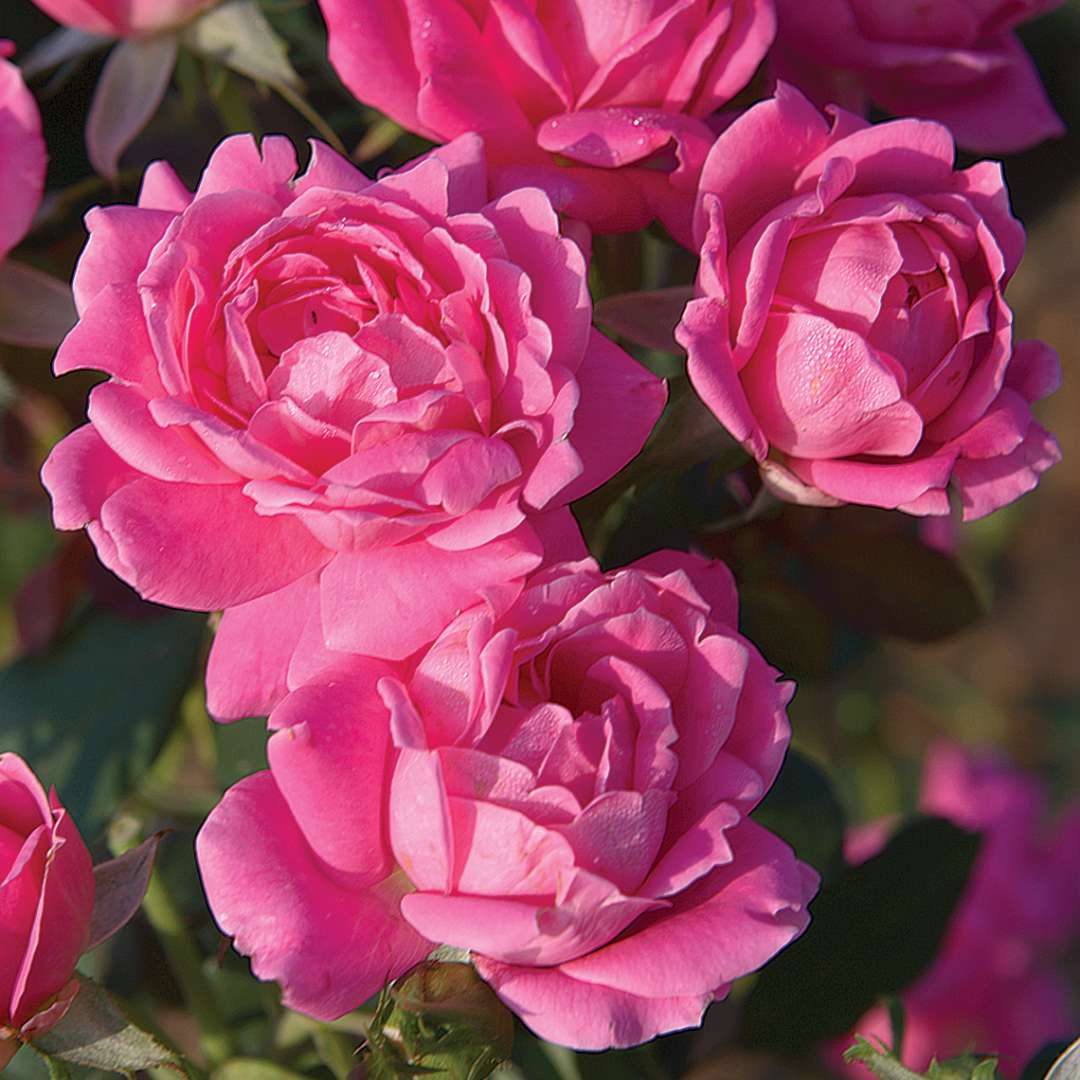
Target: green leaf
[
  {"x": 336, "y": 1050},
  {"x": 95, "y": 1033},
  {"x": 90, "y": 715},
  {"x": 888, "y": 582},
  {"x": 790, "y": 629},
  {"x": 541, "y": 1060},
  {"x": 874, "y": 929},
  {"x": 237, "y": 35},
  {"x": 241, "y": 749},
  {"x": 802, "y": 809}
]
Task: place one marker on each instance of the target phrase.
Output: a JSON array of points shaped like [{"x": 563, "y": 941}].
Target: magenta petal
[
  {"x": 167, "y": 552},
  {"x": 121, "y": 416},
  {"x": 80, "y": 473},
  {"x": 63, "y": 918},
  {"x": 111, "y": 337},
  {"x": 724, "y": 926},
  {"x": 711, "y": 367},
  {"x": 819, "y": 391},
  {"x": 529, "y": 228},
  {"x": 247, "y": 673},
  {"x": 335, "y": 736},
  {"x": 304, "y": 936},
  {"x": 370, "y": 49},
  {"x": 1004, "y": 112},
  {"x": 162, "y": 189},
  {"x": 606, "y": 441},
  {"x": 1034, "y": 370},
  {"x": 23, "y": 153},
  {"x": 753, "y": 165},
  {"x": 586, "y": 1016},
  {"x": 121, "y": 239},
  {"x": 240, "y": 163},
  {"x": 390, "y": 601},
  {"x": 885, "y": 485},
  {"x": 986, "y": 484}
]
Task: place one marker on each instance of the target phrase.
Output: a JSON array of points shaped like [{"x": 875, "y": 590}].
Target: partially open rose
[
  {"x": 850, "y": 327},
  {"x": 382, "y": 393},
  {"x": 587, "y": 99},
  {"x": 46, "y": 902},
  {"x": 561, "y": 788}
]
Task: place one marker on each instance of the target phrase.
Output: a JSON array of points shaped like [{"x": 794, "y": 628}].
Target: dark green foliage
[
  {"x": 875, "y": 928},
  {"x": 90, "y": 715}
]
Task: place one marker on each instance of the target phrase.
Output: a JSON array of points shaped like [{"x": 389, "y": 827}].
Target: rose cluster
[{"x": 352, "y": 414}]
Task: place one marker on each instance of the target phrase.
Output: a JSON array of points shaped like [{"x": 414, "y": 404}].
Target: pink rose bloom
[
  {"x": 48, "y": 895},
  {"x": 957, "y": 62},
  {"x": 997, "y": 984},
  {"x": 560, "y": 788},
  {"x": 604, "y": 89},
  {"x": 123, "y": 18},
  {"x": 382, "y": 394},
  {"x": 22, "y": 155},
  {"x": 850, "y": 329}
]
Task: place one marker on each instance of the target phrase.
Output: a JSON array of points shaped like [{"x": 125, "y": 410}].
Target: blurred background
[{"x": 892, "y": 647}]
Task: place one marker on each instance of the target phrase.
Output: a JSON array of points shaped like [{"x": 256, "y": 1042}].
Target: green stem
[
  {"x": 185, "y": 961},
  {"x": 58, "y": 1070},
  {"x": 304, "y": 108}
]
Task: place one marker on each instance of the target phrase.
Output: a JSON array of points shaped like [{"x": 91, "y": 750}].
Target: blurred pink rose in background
[
  {"x": 607, "y": 90},
  {"x": 45, "y": 905},
  {"x": 997, "y": 984},
  {"x": 123, "y": 18},
  {"x": 22, "y": 155},
  {"x": 381, "y": 395},
  {"x": 850, "y": 329},
  {"x": 958, "y": 62},
  {"x": 561, "y": 788}
]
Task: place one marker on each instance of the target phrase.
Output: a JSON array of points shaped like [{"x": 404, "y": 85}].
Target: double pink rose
[
  {"x": 46, "y": 902},
  {"x": 584, "y": 98},
  {"x": 850, "y": 328},
  {"x": 22, "y": 155},
  {"x": 997, "y": 984},
  {"x": 379, "y": 394},
  {"x": 123, "y": 18},
  {"x": 958, "y": 62},
  {"x": 560, "y": 787}
]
